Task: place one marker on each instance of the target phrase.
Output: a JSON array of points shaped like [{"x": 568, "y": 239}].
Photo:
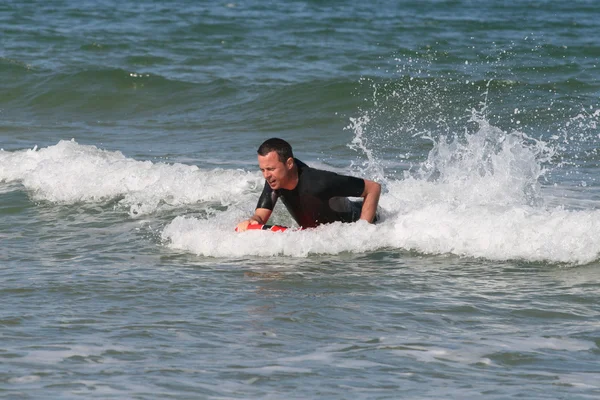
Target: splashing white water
[
  {"x": 487, "y": 167},
  {"x": 69, "y": 173},
  {"x": 371, "y": 168},
  {"x": 475, "y": 196}
]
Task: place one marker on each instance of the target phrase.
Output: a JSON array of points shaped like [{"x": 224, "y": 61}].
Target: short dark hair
[{"x": 283, "y": 149}]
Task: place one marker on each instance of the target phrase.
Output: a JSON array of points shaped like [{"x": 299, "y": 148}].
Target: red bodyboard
[{"x": 272, "y": 228}]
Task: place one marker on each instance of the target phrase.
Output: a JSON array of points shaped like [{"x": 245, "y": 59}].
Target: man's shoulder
[
  {"x": 317, "y": 172},
  {"x": 301, "y": 165},
  {"x": 303, "y": 168},
  {"x": 319, "y": 179},
  {"x": 321, "y": 182}
]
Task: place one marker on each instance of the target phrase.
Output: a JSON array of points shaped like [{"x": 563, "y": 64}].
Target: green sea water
[{"x": 128, "y": 134}]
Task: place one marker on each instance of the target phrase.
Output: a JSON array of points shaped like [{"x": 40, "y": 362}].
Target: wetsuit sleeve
[{"x": 268, "y": 198}]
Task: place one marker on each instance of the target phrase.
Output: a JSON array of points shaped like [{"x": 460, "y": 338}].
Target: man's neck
[{"x": 294, "y": 178}]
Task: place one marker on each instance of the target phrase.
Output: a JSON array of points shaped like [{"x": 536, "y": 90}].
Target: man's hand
[
  {"x": 261, "y": 216},
  {"x": 243, "y": 226}
]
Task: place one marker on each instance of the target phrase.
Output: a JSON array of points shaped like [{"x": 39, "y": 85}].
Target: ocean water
[{"x": 128, "y": 134}]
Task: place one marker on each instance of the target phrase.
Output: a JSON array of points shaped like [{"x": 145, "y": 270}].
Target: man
[{"x": 312, "y": 196}]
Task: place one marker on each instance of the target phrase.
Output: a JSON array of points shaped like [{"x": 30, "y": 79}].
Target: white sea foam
[
  {"x": 69, "y": 173},
  {"x": 476, "y": 195},
  {"x": 501, "y": 234}
]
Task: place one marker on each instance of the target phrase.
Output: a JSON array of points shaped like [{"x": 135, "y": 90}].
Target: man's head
[
  {"x": 276, "y": 162},
  {"x": 280, "y": 146}
]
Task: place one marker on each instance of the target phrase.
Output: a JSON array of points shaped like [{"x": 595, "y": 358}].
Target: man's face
[{"x": 275, "y": 172}]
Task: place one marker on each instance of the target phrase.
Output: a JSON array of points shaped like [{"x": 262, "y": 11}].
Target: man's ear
[{"x": 289, "y": 163}]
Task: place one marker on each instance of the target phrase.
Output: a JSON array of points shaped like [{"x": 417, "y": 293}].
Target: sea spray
[
  {"x": 478, "y": 195},
  {"x": 488, "y": 166},
  {"x": 371, "y": 168},
  {"x": 475, "y": 195},
  {"x": 69, "y": 173}
]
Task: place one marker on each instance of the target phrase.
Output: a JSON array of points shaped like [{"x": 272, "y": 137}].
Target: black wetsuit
[{"x": 319, "y": 198}]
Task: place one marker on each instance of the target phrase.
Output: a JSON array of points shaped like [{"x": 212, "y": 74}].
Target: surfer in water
[{"x": 312, "y": 196}]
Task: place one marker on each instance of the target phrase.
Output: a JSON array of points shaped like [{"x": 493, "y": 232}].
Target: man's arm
[
  {"x": 261, "y": 216},
  {"x": 371, "y": 200}
]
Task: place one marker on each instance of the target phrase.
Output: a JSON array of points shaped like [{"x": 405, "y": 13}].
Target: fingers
[{"x": 242, "y": 226}]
